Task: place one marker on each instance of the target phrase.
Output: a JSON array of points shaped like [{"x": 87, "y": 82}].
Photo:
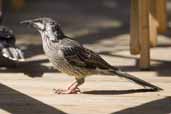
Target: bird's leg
[
  {"x": 71, "y": 84},
  {"x": 72, "y": 88}
]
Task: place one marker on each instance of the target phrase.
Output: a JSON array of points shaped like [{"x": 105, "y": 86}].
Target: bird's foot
[{"x": 67, "y": 91}]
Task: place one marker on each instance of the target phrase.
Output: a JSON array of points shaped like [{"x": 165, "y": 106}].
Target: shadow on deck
[
  {"x": 15, "y": 102},
  {"x": 161, "y": 106}
]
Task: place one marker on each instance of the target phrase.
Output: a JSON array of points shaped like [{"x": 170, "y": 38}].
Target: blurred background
[
  {"x": 102, "y": 25},
  {"x": 96, "y": 23}
]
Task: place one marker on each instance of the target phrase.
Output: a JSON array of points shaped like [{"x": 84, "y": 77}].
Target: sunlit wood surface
[{"x": 28, "y": 88}]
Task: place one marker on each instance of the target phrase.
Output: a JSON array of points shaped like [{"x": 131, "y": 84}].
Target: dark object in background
[
  {"x": 70, "y": 57},
  {"x": 9, "y": 53}
]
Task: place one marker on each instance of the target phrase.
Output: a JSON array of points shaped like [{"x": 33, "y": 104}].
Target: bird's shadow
[{"x": 118, "y": 92}]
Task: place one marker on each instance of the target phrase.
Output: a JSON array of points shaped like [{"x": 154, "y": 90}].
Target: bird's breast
[{"x": 56, "y": 57}]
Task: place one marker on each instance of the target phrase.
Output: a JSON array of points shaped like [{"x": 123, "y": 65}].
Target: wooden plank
[
  {"x": 134, "y": 40},
  {"x": 34, "y": 95},
  {"x": 144, "y": 35}
]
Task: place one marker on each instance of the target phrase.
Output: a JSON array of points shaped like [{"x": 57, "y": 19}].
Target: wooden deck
[
  {"x": 20, "y": 94},
  {"x": 26, "y": 90}
]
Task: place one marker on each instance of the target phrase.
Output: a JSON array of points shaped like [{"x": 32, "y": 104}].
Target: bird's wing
[
  {"x": 13, "y": 53},
  {"x": 82, "y": 57}
]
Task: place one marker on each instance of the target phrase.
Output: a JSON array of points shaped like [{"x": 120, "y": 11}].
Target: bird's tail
[
  {"x": 13, "y": 53},
  {"x": 136, "y": 80}
]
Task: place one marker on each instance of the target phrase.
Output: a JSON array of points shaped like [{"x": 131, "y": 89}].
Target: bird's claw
[{"x": 67, "y": 91}]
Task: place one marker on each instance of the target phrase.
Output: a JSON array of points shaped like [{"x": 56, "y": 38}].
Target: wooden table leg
[
  {"x": 161, "y": 15},
  {"x": 134, "y": 20},
  {"x": 142, "y": 34},
  {"x": 158, "y": 19},
  {"x": 153, "y": 23}
]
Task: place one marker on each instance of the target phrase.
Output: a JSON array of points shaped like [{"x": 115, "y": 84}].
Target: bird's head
[{"x": 46, "y": 26}]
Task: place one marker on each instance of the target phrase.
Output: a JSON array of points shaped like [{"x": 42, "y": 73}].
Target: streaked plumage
[{"x": 70, "y": 57}]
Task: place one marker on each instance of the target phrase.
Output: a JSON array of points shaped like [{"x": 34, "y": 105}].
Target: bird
[
  {"x": 8, "y": 48},
  {"x": 69, "y": 56}
]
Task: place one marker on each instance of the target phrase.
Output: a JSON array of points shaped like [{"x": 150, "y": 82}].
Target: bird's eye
[
  {"x": 52, "y": 23},
  {"x": 53, "y": 29}
]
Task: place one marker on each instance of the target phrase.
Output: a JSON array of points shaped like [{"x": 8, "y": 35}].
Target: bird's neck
[{"x": 54, "y": 37}]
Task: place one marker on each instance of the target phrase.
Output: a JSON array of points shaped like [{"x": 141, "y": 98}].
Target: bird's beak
[{"x": 29, "y": 22}]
